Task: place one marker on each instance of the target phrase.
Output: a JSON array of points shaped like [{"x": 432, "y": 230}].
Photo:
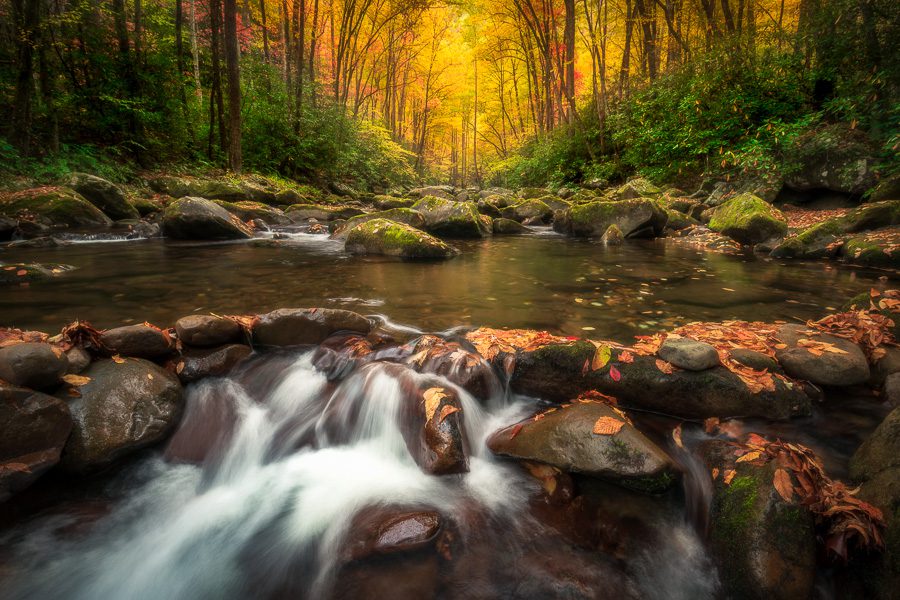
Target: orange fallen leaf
[
  {"x": 664, "y": 366},
  {"x": 118, "y": 359},
  {"x": 676, "y": 435},
  {"x": 783, "y": 485},
  {"x": 21, "y": 272},
  {"x": 752, "y": 455},
  {"x": 446, "y": 412},
  {"x": 715, "y": 473},
  {"x": 432, "y": 398},
  {"x": 73, "y": 379},
  {"x": 729, "y": 475},
  {"x": 608, "y": 426}
]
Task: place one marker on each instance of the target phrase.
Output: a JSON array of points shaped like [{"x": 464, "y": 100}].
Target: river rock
[
  {"x": 849, "y": 367},
  {"x": 299, "y": 326},
  {"x": 637, "y": 188},
  {"x": 892, "y": 389},
  {"x": 103, "y": 194},
  {"x": 528, "y": 209},
  {"x": 33, "y": 364},
  {"x": 529, "y": 193},
  {"x": 389, "y": 238},
  {"x": 834, "y": 157},
  {"x": 198, "y": 364},
  {"x": 141, "y": 341},
  {"x": 753, "y": 359},
  {"x": 507, "y": 226},
  {"x": 748, "y": 219},
  {"x": 79, "y": 359},
  {"x": 124, "y": 407},
  {"x": 613, "y": 236},
  {"x": 53, "y": 206},
  {"x": 564, "y": 438},
  {"x": 635, "y": 218},
  {"x": 192, "y": 218},
  {"x": 431, "y": 423},
  {"x": 448, "y": 218},
  {"x": 252, "y": 211},
  {"x": 207, "y": 330},
  {"x": 35, "y": 427},
  {"x": 557, "y": 372},
  {"x": 689, "y": 354},
  {"x": 321, "y": 212},
  {"x": 405, "y": 216},
  {"x": 390, "y": 530},
  {"x": 765, "y": 546}
]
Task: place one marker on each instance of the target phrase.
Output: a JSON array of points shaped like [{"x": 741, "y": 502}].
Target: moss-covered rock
[
  {"x": 389, "y": 238},
  {"x": 103, "y": 194},
  {"x": 678, "y": 220},
  {"x": 54, "y": 206},
  {"x": 748, "y": 219},
  {"x": 530, "y": 193},
  {"x": 200, "y": 219},
  {"x": 555, "y": 203},
  {"x": 834, "y": 157},
  {"x": 821, "y": 240},
  {"x": 18, "y": 273},
  {"x": 448, "y": 218},
  {"x": 508, "y": 226},
  {"x": 247, "y": 211},
  {"x": 145, "y": 206},
  {"x": 636, "y": 188},
  {"x": 407, "y": 216},
  {"x": 211, "y": 189},
  {"x": 875, "y": 249},
  {"x": 528, "y": 209},
  {"x": 322, "y": 212},
  {"x": 583, "y": 196},
  {"x": 613, "y": 236},
  {"x": 388, "y": 202},
  {"x": 635, "y": 218}
]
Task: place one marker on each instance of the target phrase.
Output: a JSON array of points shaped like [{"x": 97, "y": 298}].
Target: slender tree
[{"x": 233, "y": 70}]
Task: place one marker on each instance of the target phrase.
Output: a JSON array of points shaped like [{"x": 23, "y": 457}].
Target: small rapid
[{"x": 278, "y": 471}]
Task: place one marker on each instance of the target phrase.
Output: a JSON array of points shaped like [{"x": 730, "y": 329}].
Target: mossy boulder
[
  {"x": 613, "y": 236},
  {"x": 879, "y": 248},
  {"x": 448, "y": 218},
  {"x": 145, "y": 206},
  {"x": 678, "y": 220},
  {"x": 389, "y": 238},
  {"x": 406, "y": 216},
  {"x": 748, "y": 219},
  {"x": 636, "y": 188},
  {"x": 508, "y": 226},
  {"x": 388, "y": 202},
  {"x": 211, "y": 189},
  {"x": 103, "y": 194},
  {"x": 53, "y": 206},
  {"x": 200, "y": 219},
  {"x": 583, "y": 196},
  {"x": 19, "y": 273},
  {"x": 528, "y": 209},
  {"x": 555, "y": 203},
  {"x": 765, "y": 546},
  {"x": 322, "y": 212},
  {"x": 834, "y": 157},
  {"x": 635, "y": 218},
  {"x": 247, "y": 210},
  {"x": 822, "y": 240},
  {"x": 529, "y": 193}
]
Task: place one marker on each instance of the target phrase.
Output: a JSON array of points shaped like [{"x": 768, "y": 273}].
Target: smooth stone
[
  {"x": 207, "y": 330},
  {"x": 835, "y": 369},
  {"x": 298, "y": 326},
  {"x": 383, "y": 530},
  {"x": 753, "y": 359},
  {"x": 79, "y": 359},
  {"x": 33, "y": 364},
  {"x": 892, "y": 389},
  {"x": 140, "y": 341},
  {"x": 689, "y": 354},
  {"x": 211, "y": 362}
]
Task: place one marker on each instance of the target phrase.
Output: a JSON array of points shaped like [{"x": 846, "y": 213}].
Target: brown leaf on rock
[
  {"x": 664, "y": 366},
  {"x": 447, "y": 411},
  {"x": 608, "y": 426},
  {"x": 491, "y": 342},
  {"x": 783, "y": 485},
  {"x": 729, "y": 475},
  {"x": 676, "y": 435},
  {"x": 73, "y": 379},
  {"x": 432, "y": 398}
]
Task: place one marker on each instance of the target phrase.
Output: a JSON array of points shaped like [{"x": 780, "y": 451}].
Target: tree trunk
[
  {"x": 232, "y": 66},
  {"x": 195, "y": 54},
  {"x": 26, "y": 16},
  {"x": 569, "y": 39},
  {"x": 265, "y": 30}
]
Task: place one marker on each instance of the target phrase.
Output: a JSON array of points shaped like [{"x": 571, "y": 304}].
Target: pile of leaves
[
  {"x": 847, "y": 522},
  {"x": 803, "y": 218},
  {"x": 869, "y": 328},
  {"x": 10, "y": 336},
  {"x": 430, "y": 347},
  {"x": 491, "y": 342}
]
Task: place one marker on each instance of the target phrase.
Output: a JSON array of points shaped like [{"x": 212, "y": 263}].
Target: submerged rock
[
  {"x": 301, "y": 326},
  {"x": 54, "y": 206},
  {"x": 748, "y": 219},
  {"x": 192, "y": 218},
  {"x": 35, "y": 428},
  {"x": 845, "y": 366},
  {"x": 32, "y": 364},
  {"x": 389, "y": 238},
  {"x": 613, "y": 236},
  {"x": 635, "y": 218},
  {"x": 207, "y": 330},
  {"x": 122, "y": 408},
  {"x": 22, "y": 273},
  {"x": 448, "y": 218},
  {"x": 565, "y": 438},
  {"x": 103, "y": 194},
  {"x": 141, "y": 341}
]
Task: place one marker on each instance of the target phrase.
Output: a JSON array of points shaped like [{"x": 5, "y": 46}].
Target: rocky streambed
[{"x": 321, "y": 453}]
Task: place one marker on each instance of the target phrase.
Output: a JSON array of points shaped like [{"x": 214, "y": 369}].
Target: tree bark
[
  {"x": 569, "y": 40},
  {"x": 232, "y": 68},
  {"x": 26, "y": 16}
]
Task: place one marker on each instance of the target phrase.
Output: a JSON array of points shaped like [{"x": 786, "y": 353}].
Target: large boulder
[
  {"x": 528, "y": 209},
  {"x": 432, "y": 426},
  {"x": 445, "y": 192},
  {"x": 247, "y": 210},
  {"x": 507, "y": 226},
  {"x": 636, "y": 188},
  {"x": 835, "y": 157},
  {"x": 123, "y": 407},
  {"x": 635, "y": 218},
  {"x": 211, "y": 189},
  {"x": 103, "y": 194},
  {"x": 141, "y": 341},
  {"x": 53, "y": 206},
  {"x": 321, "y": 212},
  {"x": 448, "y": 218},
  {"x": 405, "y": 216},
  {"x": 33, "y": 364},
  {"x": 382, "y": 202},
  {"x": 207, "y": 330},
  {"x": 568, "y": 438},
  {"x": 35, "y": 428},
  {"x": 19, "y": 273},
  {"x": 880, "y": 248},
  {"x": 689, "y": 354},
  {"x": 381, "y": 236},
  {"x": 191, "y": 218},
  {"x": 840, "y": 362},
  {"x": 748, "y": 219},
  {"x": 300, "y": 326}
]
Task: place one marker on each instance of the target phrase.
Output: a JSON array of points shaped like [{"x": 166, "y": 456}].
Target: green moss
[
  {"x": 650, "y": 485},
  {"x": 865, "y": 251},
  {"x": 748, "y": 219},
  {"x": 56, "y": 205},
  {"x": 381, "y": 236}
]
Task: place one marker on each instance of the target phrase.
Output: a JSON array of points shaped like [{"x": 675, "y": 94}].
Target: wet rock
[
  {"x": 448, "y": 218},
  {"x": 529, "y": 193},
  {"x": 432, "y": 427},
  {"x": 7, "y": 228},
  {"x": 557, "y": 372},
  {"x": 847, "y": 367},
  {"x": 210, "y": 189},
  {"x": 555, "y": 203},
  {"x": 103, "y": 194},
  {"x": 192, "y": 218},
  {"x": 44, "y": 241},
  {"x": 260, "y": 190},
  {"x": 389, "y": 238},
  {"x": 748, "y": 219},
  {"x": 249, "y": 211},
  {"x": 54, "y": 206},
  {"x": 212, "y": 362},
  {"x": 834, "y": 157},
  {"x": 689, "y": 354},
  {"x": 528, "y": 209},
  {"x": 677, "y": 220},
  {"x": 32, "y": 364},
  {"x": 206, "y": 427},
  {"x": 207, "y": 330},
  {"x": 564, "y": 438},
  {"x": 385, "y": 530},
  {"x": 124, "y": 407},
  {"x": 635, "y": 218},
  {"x": 141, "y": 341},
  {"x": 753, "y": 359},
  {"x": 145, "y": 206},
  {"x": 508, "y": 226},
  {"x": 405, "y": 216},
  {"x": 819, "y": 241},
  {"x": 79, "y": 359},
  {"x": 321, "y": 212},
  {"x": 766, "y": 547},
  {"x": 299, "y": 326},
  {"x": 35, "y": 427},
  {"x": 613, "y": 236},
  {"x": 892, "y": 389}
]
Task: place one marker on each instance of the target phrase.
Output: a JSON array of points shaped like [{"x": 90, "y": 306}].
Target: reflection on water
[{"x": 539, "y": 281}]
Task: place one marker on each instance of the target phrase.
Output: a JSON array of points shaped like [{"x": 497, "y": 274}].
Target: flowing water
[{"x": 280, "y": 469}]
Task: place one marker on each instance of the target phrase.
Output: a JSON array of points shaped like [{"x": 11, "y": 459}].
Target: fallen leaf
[
  {"x": 614, "y": 373},
  {"x": 729, "y": 475},
  {"x": 715, "y": 473},
  {"x": 601, "y": 356},
  {"x": 432, "y": 398},
  {"x": 118, "y": 359},
  {"x": 676, "y": 435},
  {"x": 515, "y": 430},
  {"x": 21, "y": 272},
  {"x": 664, "y": 366},
  {"x": 783, "y": 485},
  {"x": 626, "y": 356},
  {"x": 73, "y": 379},
  {"x": 711, "y": 424},
  {"x": 447, "y": 411},
  {"x": 608, "y": 426},
  {"x": 752, "y": 455}
]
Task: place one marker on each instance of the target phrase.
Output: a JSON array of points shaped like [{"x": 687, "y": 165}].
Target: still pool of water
[{"x": 537, "y": 281}]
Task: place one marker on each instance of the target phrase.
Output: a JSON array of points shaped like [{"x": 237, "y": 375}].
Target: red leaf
[{"x": 614, "y": 373}]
